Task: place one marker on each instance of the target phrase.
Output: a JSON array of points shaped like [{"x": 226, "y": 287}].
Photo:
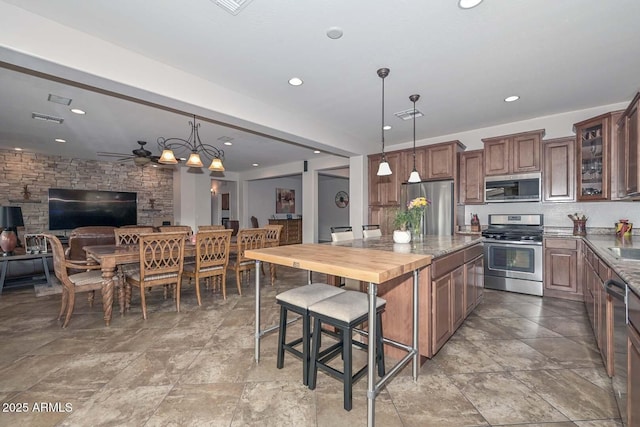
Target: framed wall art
[{"x": 285, "y": 201}]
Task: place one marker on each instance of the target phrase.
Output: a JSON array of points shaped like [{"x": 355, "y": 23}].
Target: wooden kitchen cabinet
[
  {"x": 471, "y": 180},
  {"x": 594, "y": 139},
  {"x": 458, "y": 298},
  {"x": 385, "y": 190},
  {"x": 558, "y": 176},
  {"x": 626, "y": 157},
  {"x": 383, "y": 215},
  {"x": 441, "y": 312},
  {"x": 473, "y": 277},
  {"x": 633, "y": 361},
  {"x": 512, "y": 154},
  {"x": 441, "y": 160},
  {"x": 561, "y": 268}
]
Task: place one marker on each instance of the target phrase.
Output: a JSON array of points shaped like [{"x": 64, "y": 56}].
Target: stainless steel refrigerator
[{"x": 438, "y": 216}]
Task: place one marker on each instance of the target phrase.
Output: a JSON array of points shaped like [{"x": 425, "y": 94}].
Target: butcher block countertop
[{"x": 359, "y": 263}]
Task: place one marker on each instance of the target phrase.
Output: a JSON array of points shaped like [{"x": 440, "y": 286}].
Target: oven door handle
[{"x": 616, "y": 289}]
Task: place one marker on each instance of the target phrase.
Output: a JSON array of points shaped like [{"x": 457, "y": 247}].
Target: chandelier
[{"x": 194, "y": 146}]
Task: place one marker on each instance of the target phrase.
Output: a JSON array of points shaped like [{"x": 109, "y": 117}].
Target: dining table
[
  {"x": 372, "y": 266},
  {"x": 110, "y": 257}
]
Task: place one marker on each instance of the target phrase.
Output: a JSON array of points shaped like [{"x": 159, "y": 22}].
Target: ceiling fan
[{"x": 140, "y": 156}]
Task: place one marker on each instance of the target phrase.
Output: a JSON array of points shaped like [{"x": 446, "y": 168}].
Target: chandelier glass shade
[
  {"x": 384, "y": 168},
  {"x": 415, "y": 176},
  {"x": 195, "y": 147}
]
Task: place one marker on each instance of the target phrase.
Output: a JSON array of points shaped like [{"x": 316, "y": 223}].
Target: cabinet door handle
[{"x": 616, "y": 289}]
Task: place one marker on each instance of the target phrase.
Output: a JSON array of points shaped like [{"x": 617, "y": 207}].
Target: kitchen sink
[{"x": 626, "y": 253}]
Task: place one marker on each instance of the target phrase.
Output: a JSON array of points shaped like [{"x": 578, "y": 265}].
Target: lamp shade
[
  {"x": 384, "y": 169},
  {"x": 11, "y": 217}
]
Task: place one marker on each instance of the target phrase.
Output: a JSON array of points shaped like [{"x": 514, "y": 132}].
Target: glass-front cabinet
[{"x": 593, "y": 139}]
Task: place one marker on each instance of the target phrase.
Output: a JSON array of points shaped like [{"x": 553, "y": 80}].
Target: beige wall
[{"x": 42, "y": 172}]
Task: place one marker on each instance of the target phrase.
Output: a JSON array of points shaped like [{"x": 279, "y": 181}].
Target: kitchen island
[{"x": 449, "y": 289}]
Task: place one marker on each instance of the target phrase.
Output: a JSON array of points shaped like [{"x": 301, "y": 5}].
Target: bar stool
[
  {"x": 298, "y": 300},
  {"x": 344, "y": 311}
]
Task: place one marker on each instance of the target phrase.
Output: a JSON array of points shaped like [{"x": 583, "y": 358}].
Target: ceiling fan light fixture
[
  {"x": 194, "y": 161},
  {"x": 167, "y": 158},
  {"x": 141, "y": 161}
]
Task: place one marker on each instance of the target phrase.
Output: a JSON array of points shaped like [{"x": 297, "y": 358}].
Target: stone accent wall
[{"x": 40, "y": 172}]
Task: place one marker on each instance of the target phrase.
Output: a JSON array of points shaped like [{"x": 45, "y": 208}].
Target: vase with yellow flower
[{"x": 411, "y": 217}]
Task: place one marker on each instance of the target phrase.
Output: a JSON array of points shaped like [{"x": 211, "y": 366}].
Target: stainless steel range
[{"x": 513, "y": 253}]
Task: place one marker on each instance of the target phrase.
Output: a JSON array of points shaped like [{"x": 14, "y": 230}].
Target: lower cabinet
[
  {"x": 456, "y": 288},
  {"x": 561, "y": 268},
  {"x": 291, "y": 230},
  {"x": 633, "y": 360}
]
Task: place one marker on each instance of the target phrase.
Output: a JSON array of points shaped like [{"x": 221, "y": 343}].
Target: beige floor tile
[
  {"x": 197, "y": 367},
  {"x": 565, "y": 352},
  {"x": 185, "y": 405},
  {"x": 503, "y": 399},
  {"x": 571, "y": 394}
]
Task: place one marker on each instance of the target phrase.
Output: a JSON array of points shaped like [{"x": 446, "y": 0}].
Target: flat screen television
[{"x": 69, "y": 209}]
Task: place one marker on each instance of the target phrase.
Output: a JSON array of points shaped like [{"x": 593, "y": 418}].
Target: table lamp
[{"x": 10, "y": 219}]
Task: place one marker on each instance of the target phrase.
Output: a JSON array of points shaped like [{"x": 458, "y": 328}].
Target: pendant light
[
  {"x": 384, "y": 168},
  {"x": 415, "y": 176}
]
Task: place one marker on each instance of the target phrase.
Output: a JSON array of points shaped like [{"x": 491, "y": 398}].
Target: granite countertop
[
  {"x": 627, "y": 269},
  {"x": 436, "y": 246}
]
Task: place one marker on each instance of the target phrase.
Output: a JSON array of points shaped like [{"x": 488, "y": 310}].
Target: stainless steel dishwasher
[{"x": 618, "y": 291}]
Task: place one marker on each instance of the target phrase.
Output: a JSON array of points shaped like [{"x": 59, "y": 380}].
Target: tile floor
[{"x": 517, "y": 360}]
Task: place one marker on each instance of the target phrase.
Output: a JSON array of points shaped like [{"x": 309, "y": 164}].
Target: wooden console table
[{"x": 5, "y": 260}]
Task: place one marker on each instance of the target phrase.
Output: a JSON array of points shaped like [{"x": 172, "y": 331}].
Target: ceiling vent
[
  {"x": 59, "y": 99},
  {"x": 234, "y": 7},
  {"x": 47, "y": 118},
  {"x": 225, "y": 139},
  {"x": 408, "y": 114}
]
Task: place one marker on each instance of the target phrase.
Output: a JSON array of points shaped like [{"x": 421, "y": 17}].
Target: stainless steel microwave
[{"x": 512, "y": 188}]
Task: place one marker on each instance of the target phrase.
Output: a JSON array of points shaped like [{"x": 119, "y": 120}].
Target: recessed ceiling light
[
  {"x": 228, "y": 143},
  {"x": 18, "y": 149},
  {"x": 78, "y": 111},
  {"x": 334, "y": 33},
  {"x": 155, "y": 166},
  {"x": 295, "y": 81},
  {"x": 511, "y": 98},
  {"x": 468, "y": 4},
  {"x": 316, "y": 151},
  {"x": 60, "y": 140},
  {"x": 255, "y": 165},
  {"x": 386, "y": 127}
]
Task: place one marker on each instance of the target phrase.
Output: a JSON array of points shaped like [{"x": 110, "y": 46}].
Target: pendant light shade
[
  {"x": 384, "y": 168},
  {"x": 415, "y": 176}
]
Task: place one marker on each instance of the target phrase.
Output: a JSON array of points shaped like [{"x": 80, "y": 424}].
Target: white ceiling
[{"x": 558, "y": 56}]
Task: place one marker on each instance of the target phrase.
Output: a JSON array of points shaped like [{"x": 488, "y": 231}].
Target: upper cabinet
[
  {"x": 559, "y": 160},
  {"x": 441, "y": 160},
  {"x": 433, "y": 162},
  {"x": 471, "y": 177},
  {"x": 626, "y": 168},
  {"x": 385, "y": 190},
  {"x": 512, "y": 154},
  {"x": 595, "y": 138}
]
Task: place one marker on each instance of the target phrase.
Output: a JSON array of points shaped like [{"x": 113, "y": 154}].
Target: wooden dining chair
[
  {"x": 175, "y": 228},
  {"x": 161, "y": 263},
  {"x": 248, "y": 238},
  {"x": 272, "y": 239},
  {"x": 89, "y": 280},
  {"x": 212, "y": 258},
  {"x": 210, "y": 227},
  {"x": 130, "y": 235}
]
